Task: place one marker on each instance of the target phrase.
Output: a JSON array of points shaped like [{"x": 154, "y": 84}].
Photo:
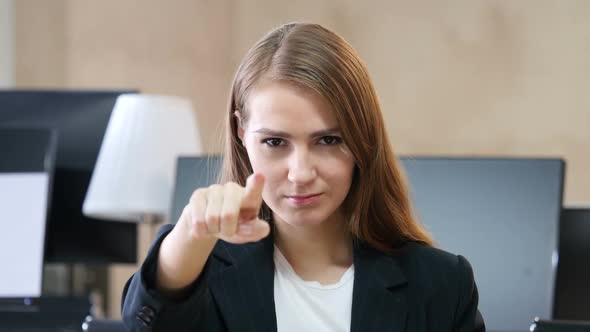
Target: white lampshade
[{"x": 133, "y": 175}]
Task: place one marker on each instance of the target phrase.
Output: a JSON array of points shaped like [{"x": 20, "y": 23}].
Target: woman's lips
[{"x": 302, "y": 200}]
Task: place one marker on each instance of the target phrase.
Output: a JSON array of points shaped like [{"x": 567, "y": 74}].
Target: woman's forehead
[{"x": 280, "y": 104}]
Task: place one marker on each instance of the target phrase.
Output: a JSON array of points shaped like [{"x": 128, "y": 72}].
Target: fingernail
[{"x": 245, "y": 229}]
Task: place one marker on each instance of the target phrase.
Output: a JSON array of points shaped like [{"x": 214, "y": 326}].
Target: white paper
[{"x": 23, "y": 210}]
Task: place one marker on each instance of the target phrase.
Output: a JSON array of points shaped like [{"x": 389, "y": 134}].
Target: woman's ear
[
  {"x": 241, "y": 134},
  {"x": 240, "y": 126}
]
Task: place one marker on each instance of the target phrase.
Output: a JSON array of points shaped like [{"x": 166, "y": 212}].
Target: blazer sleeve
[
  {"x": 467, "y": 316},
  {"x": 145, "y": 309}
]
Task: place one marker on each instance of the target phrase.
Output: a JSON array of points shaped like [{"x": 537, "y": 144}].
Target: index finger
[{"x": 252, "y": 199}]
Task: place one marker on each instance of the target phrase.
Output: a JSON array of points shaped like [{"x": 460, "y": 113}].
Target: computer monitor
[
  {"x": 572, "y": 291},
  {"x": 192, "y": 172},
  {"x": 80, "y": 119},
  {"x": 26, "y": 170},
  {"x": 503, "y": 216}
]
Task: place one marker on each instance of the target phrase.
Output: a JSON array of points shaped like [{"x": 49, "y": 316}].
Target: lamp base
[{"x": 146, "y": 233}]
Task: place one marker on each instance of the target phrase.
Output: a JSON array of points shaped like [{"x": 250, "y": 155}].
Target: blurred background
[{"x": 459, "y": 78}]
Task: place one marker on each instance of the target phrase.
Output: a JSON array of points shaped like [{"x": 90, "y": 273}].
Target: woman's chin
[{"x": 299, "y": 219}]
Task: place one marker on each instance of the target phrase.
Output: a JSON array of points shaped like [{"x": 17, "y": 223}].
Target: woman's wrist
[{"x": 181, "y": 259}]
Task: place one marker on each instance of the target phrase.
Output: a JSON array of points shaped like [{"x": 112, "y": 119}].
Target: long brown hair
[{"x": 312, "y": 57}]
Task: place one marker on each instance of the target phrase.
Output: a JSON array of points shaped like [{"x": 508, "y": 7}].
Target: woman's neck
[{"x": 316, "y": 252}]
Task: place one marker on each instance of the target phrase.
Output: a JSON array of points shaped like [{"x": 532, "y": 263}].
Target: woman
[{"x": 312, "y": 228}]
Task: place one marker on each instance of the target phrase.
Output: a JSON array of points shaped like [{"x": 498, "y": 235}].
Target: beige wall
[
  {"x": 507, "y": 78},
  {"x": 7, "y": 45}
]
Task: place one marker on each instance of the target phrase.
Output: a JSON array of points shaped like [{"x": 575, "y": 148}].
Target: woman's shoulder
[
  {"x": 420, "y": 254},
  {"x": 430, "y": 264},
  {"x": 419, "y": 251}
]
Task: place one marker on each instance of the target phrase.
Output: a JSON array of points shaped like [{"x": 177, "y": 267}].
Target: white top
[{"x": 308, "y": 305}]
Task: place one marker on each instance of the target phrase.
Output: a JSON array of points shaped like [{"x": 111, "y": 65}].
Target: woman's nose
[{"x": 301, "y": 168}]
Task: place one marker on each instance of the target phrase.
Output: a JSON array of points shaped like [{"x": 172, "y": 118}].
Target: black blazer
[{"x": 419, "y": 288}]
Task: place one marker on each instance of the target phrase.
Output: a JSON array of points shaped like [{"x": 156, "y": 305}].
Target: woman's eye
[
  {"x": 330, "y": 140},
  {"x": 272, "y": 142}
]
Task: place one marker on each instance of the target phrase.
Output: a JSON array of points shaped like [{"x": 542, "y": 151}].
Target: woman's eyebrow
[{"x": 278, "y": 133}]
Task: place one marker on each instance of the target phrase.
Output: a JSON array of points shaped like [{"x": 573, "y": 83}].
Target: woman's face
[{"x": 292, "y": 137}]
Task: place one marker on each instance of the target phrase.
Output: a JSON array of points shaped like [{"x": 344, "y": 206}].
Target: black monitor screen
[{"x": 80, "y": 118}]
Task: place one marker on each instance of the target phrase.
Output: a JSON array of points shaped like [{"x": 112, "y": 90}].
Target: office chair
[
  {"x": 540, "y": 325},
  {"x": 103, "y": 325}
]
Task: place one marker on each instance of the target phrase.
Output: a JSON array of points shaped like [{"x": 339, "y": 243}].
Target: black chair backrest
[
  {"x": 559, "y": 326},
  {"x": 572, "y": 289}
]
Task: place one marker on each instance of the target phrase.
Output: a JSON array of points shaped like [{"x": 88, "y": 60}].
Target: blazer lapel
[
  {"x": 244, "y": 290},
  {"x": 379, "y": 292}
]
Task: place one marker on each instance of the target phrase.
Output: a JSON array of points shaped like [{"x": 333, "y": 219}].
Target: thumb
[{"x": 253, "y": 231}]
